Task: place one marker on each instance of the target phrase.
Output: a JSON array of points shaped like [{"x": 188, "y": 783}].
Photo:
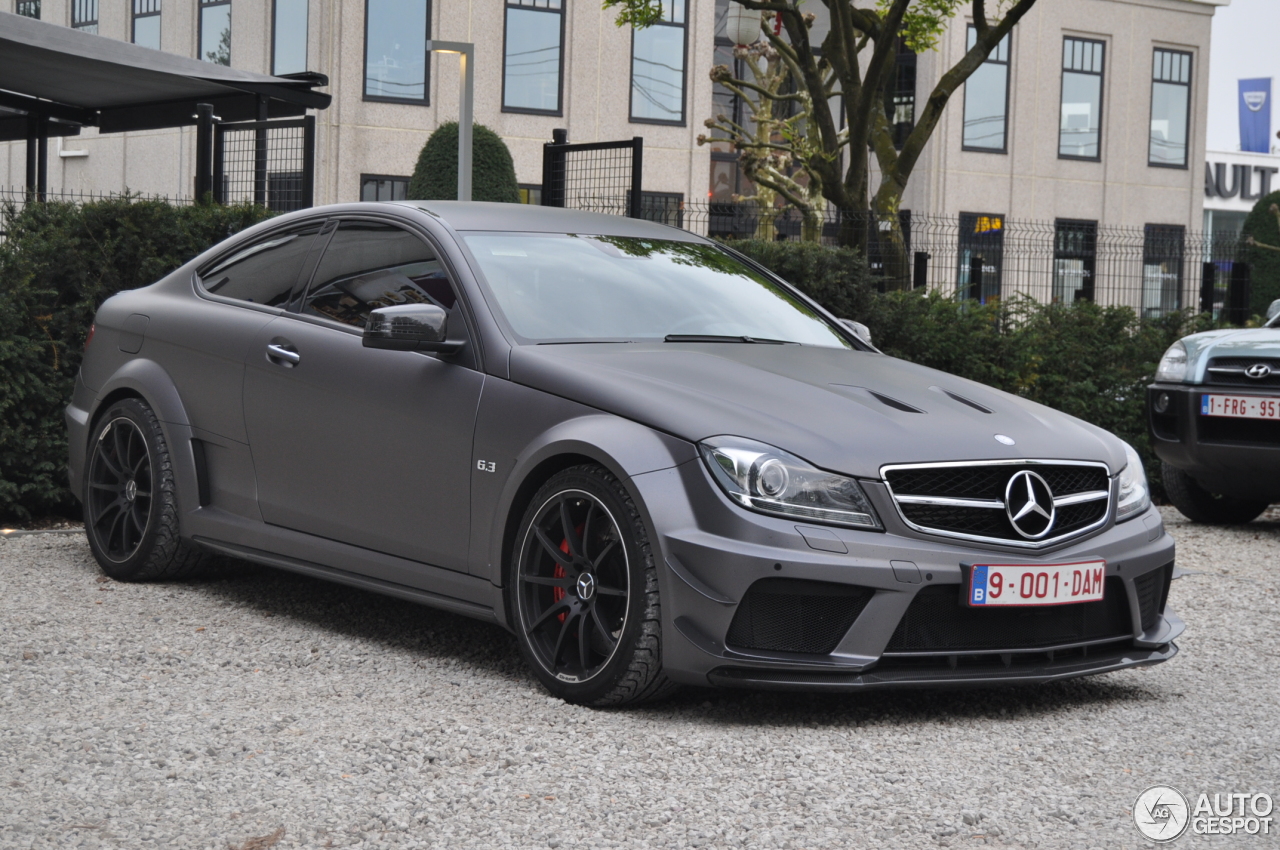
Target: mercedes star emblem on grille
[
  {"x": 1028, "y": 502},
  {"x": 1258, "y": 371}
]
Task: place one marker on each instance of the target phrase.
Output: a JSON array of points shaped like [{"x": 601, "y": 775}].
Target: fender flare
[
  {"x": 149, "y": 380},
  {"x": 623, "y": 447}
]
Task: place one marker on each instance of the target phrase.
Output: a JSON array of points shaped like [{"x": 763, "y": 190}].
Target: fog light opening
[{"x": 1162, "y": 402}]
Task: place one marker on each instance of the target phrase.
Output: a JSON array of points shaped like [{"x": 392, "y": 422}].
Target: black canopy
[{"x": 78, "y": 79}]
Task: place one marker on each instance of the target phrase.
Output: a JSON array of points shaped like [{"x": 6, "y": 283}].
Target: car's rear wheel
[
  {"x": 583, "y": 592},
  {"x": 130, "y": 501},
  {"x": 1199, "y": 505}
]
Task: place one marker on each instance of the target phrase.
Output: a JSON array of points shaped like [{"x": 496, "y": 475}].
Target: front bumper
[
  {"x": 711, "y": 552},
  {"x": 1235, "y": 457}
]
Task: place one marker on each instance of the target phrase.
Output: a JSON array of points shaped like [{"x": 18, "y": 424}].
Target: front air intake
[{"x": 793, "y": 615}]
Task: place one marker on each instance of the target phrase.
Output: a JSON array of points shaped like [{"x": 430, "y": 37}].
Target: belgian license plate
[
  {"x": 1022, "y": 585},
  {"x": 1241, "y": 406}
]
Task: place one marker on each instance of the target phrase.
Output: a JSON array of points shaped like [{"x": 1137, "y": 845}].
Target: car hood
[
  {"x": 1228, "y": 342},
  {"x": 846, "y": 411}
]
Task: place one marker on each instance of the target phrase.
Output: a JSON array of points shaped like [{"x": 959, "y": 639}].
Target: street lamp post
[{"x": 466, "y": 97}]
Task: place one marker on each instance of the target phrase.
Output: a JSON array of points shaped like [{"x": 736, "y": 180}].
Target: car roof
[{"x": 529, "y": 218}]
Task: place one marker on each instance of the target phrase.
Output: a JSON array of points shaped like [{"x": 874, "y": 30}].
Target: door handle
[{"x": 279, "y": 352}]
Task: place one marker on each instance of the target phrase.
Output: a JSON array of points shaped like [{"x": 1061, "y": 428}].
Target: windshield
[{"x": 571, "y": 288}]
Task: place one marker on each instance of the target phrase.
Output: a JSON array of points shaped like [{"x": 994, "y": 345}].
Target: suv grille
[
  {"x": 792, "y": 615},
  {"x": 938, "y": 622},
  {"x": 967, "y": 500},
  {"x": 1254, "y": 432},
  {"x": 1230, "y": 370}
]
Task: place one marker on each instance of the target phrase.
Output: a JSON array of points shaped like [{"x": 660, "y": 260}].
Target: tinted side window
[
  {"x": 371, "y": 264},
  {"x": 264, "y": 272}
]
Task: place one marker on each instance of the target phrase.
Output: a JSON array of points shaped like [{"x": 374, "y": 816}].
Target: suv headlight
[
  {"x": 771, "y": 481},
  {"x": 1135, "y": 495},
  {"x": 1173, "y": 366}
]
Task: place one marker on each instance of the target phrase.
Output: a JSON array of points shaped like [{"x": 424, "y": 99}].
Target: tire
[
  {"x": 1199, "y": 505},
  {"x": 130, "y": 500},
  {"x": 582, "y": 590}
]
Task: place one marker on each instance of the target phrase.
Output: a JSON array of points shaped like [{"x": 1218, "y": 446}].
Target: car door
[
  {"x": 203, "y": 344},
  {"x": 365, "y": 446}
]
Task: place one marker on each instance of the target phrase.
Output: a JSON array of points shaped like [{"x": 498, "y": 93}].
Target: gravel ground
[{"x": 258, "y": 708}]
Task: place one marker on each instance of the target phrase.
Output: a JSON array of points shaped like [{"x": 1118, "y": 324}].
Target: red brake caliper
[{"x": 558, "y": 593}]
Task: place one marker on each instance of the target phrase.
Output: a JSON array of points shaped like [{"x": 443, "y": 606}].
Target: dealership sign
[{"x": 1235, "y": 181}]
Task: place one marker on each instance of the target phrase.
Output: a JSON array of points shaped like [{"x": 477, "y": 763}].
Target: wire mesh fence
[
  {"x": 264, "y": 162},
  {"x": 1155, "y": 270},
  {"x": 14, "y": 198},
  {"x": 598, "y": 176}
]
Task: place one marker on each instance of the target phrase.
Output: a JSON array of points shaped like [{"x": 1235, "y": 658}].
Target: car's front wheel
[
  {"x": 1199, "y": 505},
  {"x": 583, "y": 592},
  {"x": 130, "y": 501}
]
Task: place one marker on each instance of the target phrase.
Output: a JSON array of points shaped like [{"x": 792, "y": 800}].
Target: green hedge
[
  {"x": 493, "y": 174},
  {"x": 836, "y": 278},
  {"x": 1264, "y": 264},
  {"x": 58, "y": 262}
]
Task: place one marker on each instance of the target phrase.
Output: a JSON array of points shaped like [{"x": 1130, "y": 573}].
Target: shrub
[
  {"x": 493, "y": 175},
  {"x": 58, "y": 263},
  {"x": 834, "y": 277},
  {"x": 1264, "y": 264}
]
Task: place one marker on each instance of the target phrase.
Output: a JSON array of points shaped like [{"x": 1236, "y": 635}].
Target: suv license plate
[
  {"x": 1241, "y": 406},
  {"x": 1024, "y": 585}
]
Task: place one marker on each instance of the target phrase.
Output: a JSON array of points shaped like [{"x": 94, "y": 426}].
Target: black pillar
[
  {"x": 42, "y": 158},
  {"x": 1208, "y": 283},
  {"x": 204, "y": 152},
  {"x": 33, "y": 136},
  {"x": 260, "y": 156},
  {"x": 1238, "y": 294},
  {"x": 975, "y": 278},
  {"x": 637, "y": 164}
]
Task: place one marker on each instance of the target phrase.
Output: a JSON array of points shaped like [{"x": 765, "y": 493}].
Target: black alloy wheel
[
  {"x": 1200, "y": 505},
  {"x": 130, "y": 499},
  {"x": 119, "y": 489},
  {"x": 574, "y": 586},
  {"x": 584, "y": 592}
]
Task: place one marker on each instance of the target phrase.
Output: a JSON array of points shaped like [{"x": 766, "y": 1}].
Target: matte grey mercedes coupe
[{"x": 648, "y": 457}]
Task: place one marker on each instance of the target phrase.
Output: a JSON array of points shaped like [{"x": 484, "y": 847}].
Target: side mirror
[
  {"x": 860, "y": 330},
  {"x": 409, "y": 327},
  {"x": 1273, "y": 310}
]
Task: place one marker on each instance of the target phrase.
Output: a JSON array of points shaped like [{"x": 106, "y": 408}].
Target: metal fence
[
  {"x": 597, "y": 176},
  {"x": 269, "y": 163},
  {"x": 1156, "y": 270},
  {"x": 16, "y": 197}
]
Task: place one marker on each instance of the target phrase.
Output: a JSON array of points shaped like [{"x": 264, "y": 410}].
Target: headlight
[
  {"x": 1135, "y": 496},
  {"x": 1173, "y": 366},
  {"x": 771, "y": 481}
]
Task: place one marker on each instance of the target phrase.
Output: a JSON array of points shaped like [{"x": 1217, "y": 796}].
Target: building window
[
  {"x": 215, "y": 31},
  {"x": 986, "y": 100},
  {"x": 534, "y": 33},
  {"x": 289, "y": 37},
  {"x": 1075, "y": 254},
  {"x": 84, "y": 15},
  {"x": 395, "y": 50},
  {"x": 1170, "y": 102},
  {"x": 657, "y": 68},
  {"x": 380, "y": 187},
  {"x": 146, "y": 23},
  {"x": 981, "y": 256},
  {"x": 1081, "y": 128},
  {"x": 531, "y": 193},
  {"x": 28, "y": 8},
  {"x": 662, "y": 207},
  {"x": 901, "y": 109},
  {"x": 1163, "y": 247}
]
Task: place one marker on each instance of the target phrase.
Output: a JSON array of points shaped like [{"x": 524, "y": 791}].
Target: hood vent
[
  {"x": 862, "y": 394},
  {"x": 965, "y": 401}
]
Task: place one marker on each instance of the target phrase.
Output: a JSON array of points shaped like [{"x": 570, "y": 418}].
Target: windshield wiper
[{"x": 717, "y": 338}]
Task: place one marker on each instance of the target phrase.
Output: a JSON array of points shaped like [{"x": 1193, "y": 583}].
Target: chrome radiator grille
[{"x": 1024, "y": 503}]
